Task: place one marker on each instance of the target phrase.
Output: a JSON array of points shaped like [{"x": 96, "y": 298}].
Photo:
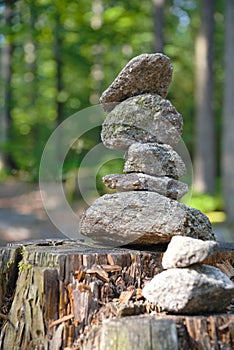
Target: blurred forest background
[{"x": 58, "y": 56}]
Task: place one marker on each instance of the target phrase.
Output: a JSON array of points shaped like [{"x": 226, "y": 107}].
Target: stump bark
[{"x": 66, "y": 295}]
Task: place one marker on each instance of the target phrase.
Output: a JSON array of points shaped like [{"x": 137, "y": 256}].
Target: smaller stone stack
[
  {"x": 145, "y": 208},
  {"x": 187, "y": 286}
]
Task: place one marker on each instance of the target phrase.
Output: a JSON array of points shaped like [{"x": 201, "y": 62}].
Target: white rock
[
  {"x": 192, "y": 290},
  {"x": 185, "y": 251}
]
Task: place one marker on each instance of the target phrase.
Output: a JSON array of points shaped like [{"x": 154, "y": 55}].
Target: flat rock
[
  {"x": 142, "y": 217},
  {"x": 143, "y": 118},
  {"x": 138, "y": 181},
  {"x": 154, "y": 159},
  {"x": 144, "y": 73},
  {"x": 185, "y": 251},
  {"x": 192, "y": 290}
]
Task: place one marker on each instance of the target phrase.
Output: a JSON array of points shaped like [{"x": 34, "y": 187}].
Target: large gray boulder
[
  {"x": 143, "y": 118},
  {"x": 144, "y": 73},
  {"x": 142, "y": 217},
  {"x": 154, "y": 159},
  {"x": 138, "y": 181},
  {"x": 185, "y": 251},
  {"x": 192, "y": 290}
]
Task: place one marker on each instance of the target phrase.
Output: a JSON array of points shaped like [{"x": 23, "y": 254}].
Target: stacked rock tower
[
  {"x": 194, "y": 287},
  {"x": 145, "y": 209}
]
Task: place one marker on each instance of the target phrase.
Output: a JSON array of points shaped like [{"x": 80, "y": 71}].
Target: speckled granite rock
[
  {"x": 192, "y": 290},
  {"x": 143, "y": 118},
  {"x": 138, "y": 181},
  {"x": 142, "y": 217},
  {"x": 144, "y": 73},
  {"x": 186, "y": 251},
  {"x": 154, "y": 159}
]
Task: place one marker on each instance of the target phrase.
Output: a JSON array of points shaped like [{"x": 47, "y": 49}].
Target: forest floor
[
  {"x": 23, "y": 217},
  {"x": 22, "y": 214}
]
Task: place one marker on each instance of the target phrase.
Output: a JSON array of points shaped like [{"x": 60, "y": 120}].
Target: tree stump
[{"x": 66, "y": 295}]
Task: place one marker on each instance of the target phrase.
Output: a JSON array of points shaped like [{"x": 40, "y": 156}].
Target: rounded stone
[
  {"x": 142, "y": 217},
  {"x": 144, "y": 73},
  {"x": 193, "y": 290},
  {"x": 186, "y": 251},
  {"x": 154, "y": 159},
  {"x": 143, "y": 118}
]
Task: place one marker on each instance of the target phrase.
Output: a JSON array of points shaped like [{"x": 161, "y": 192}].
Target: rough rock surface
[
  {"x": 191, "y": 290},
  {"x": 154, "y": 159},
  {"x": 142, "y": 217},
  {"x": 186, "y": 251},
  {"x": 144, "y": 73},
  {"x": 138, "y": 181},
  {"x": 143, "y": 118}
]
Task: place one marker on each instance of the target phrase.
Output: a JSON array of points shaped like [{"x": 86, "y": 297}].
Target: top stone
[
  {"x": 145, "y": 73},
  {"x": 185, "y": 251}
]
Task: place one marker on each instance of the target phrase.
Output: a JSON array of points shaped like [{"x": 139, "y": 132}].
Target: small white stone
[{"x": 185, "y": 251}]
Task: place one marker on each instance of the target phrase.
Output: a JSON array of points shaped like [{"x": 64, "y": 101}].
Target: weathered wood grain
[
  {"x": 157, "y": 333},
  {"x": 60, "y": 295},
  {"x": 139, "y": 333}
]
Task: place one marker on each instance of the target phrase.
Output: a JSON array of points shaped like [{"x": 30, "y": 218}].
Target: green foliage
[
  {"x": 207, "y": 203},
  {"x": 96, "y": 39},
  {"x": 212, "y": 206},
  {"x": 90, "y": 41},
  {"x": 114, "y": 166},
  {"x": 3, "y": 174},
  {"x": 9, "y": 264},
  {"x": 24, "y": 266}
]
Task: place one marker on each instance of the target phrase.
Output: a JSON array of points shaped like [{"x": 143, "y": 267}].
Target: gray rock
[
  {"x": 154, "y": 159},
  {"x": 144, "y": 73},
  {"x": 138, "y": 181},
  {"x": 186, "y": 251},
  {"x": 142, "y": 217},
  {"x": 143, "y": 118},
  {"x": 195, "y": 221},
  {"x": 192, "y": 290}
]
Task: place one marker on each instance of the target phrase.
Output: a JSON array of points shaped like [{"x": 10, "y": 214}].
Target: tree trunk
[
  {"x": 59, "y": 66},
  {"x": 65, "y": 295},
  {"x": 59, "y": 80},
  {"x": 204, "y": 155},
  {"x": 158, "y": 16},
  {"x": 6, "y": 76},
  {"x": 6, "y": 126},
  {"x": 228, "y": 115}
]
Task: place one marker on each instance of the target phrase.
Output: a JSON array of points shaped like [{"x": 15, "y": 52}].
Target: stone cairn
[
  {"x": 187, "y": 286},
  {"x": 145, "y": 209}
]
